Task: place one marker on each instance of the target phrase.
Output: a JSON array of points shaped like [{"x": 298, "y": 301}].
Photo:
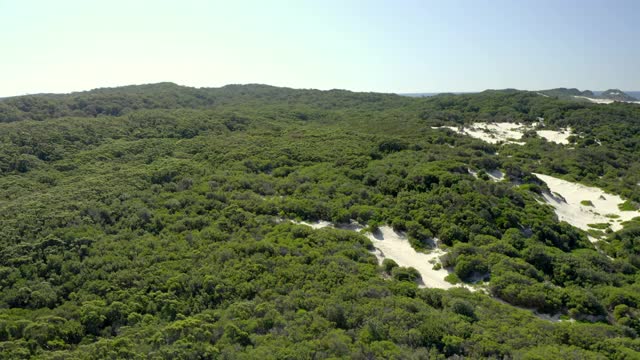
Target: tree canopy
[{"x": 154, "y": 222}]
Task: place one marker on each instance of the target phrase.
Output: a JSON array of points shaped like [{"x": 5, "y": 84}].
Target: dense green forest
[{"x": 152, "y": 222}]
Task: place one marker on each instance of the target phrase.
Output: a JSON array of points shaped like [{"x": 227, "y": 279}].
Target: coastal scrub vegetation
[{"x": 153, "y": 222}]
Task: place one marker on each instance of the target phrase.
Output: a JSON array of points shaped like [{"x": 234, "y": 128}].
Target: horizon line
[{"x": 457, "y": 92}]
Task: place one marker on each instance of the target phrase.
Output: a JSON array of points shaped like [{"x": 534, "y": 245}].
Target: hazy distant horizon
[
  {"x": 383, "y": 46},
  {"x": 634, "y": 93}
]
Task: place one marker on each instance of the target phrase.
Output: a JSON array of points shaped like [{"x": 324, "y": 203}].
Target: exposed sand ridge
[
  {"x": 395, "y": 246},
  {"x": 510, "y": 133},
  {"x": 581, "y": 205},
  {"x": 605, "y": 101}
]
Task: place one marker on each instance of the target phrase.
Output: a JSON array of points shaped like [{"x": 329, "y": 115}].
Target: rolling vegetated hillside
[{"x": 159, "y": 222}]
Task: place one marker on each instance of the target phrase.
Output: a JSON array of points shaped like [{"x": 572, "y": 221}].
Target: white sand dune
[
  {"x": 316, "y": 225},
  {"x": 390, "y": 244},
  {"x": 559, "y": 137},
  {"x": 492, "y": 132},
  {"x": 605, "y": 101},
  {"x": 395, "y": 246},
  {"x": 569, "y": 208},
  {"x": 509, "y": 133},
  {"x": 597, "y": 101}
]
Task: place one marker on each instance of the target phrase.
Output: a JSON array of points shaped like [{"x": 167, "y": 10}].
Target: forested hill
[
  {"x": 122, "y": 100},
  {"x": 588, "y": 95},
  {"x": 165, "y": 222}
]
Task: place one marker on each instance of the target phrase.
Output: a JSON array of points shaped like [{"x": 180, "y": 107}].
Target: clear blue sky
[{"x": 386, "y": 46}]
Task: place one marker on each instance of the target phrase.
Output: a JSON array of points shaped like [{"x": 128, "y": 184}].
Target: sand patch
[
  {"x": 558, "y": 137},
  {"x": 392, "y": 245},
  {"x": 396, "y": 246},
  {"x": 605, "y": 101},
  {"x": 509, "y": 133},
  {"x": 315, "y": 225},
  {"x": 597, "y": 101},
  {"x": 581, "y": 205},
  {"x": 492, "y": 133}
]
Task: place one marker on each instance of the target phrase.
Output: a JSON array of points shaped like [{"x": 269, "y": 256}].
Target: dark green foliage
[
  {"x": 388, "y": 265},
  {"x": 152, "y": 222},
  {"x": 405, "y": 274}
]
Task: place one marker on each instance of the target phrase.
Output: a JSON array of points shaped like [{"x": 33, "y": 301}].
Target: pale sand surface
[
  {"x": 605, "y": 101},
  {"x": 395, "y": 246},
  {"x": 597, "y": 101},
  {"x": 568, "y": 205},
  {"x": 492, "y": 132},
  {"x": 508, "y": 133},
  {"x": 559, "y": 137},
  {"x": 316, "y": 225},
  {"x": 390, "y": 244}
]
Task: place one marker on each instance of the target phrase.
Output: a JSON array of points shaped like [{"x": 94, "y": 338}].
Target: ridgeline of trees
[{"x": 147, "y": 222}]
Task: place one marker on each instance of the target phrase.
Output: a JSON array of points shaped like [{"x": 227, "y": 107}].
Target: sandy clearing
[
  {"x": 315, "y": 225},
  {"x": 568, "y": 205},
  {"x": 559, "y": 137},
  {"x": 395, "y": 246},
  {"x": 492, "y": 132},
  {"x": 509, "y": 133},
  {"x": 597, "y": 101},
  {"x": 390, "y": 244},
  {"x": 605, "y": 101}
]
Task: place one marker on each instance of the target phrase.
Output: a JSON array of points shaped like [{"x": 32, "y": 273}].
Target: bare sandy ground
[
  {"x": 509, "y": 133},
  {"x": 597, "y": 101},
  {"x": 390, "y": 244},
  {"x": 559, "y": 137},
  {"x": 492, "y": 132},
  {"x": 605, "y": 101},
  {"x": 395, "y": 246},
  {"x": 315, "y": 225},
  {"x": 569, "y": 208}
]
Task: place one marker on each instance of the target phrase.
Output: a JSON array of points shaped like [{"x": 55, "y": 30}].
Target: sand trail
[
  {"x": 509, "y": 133},
  {"x": 392, "y": 245}
]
